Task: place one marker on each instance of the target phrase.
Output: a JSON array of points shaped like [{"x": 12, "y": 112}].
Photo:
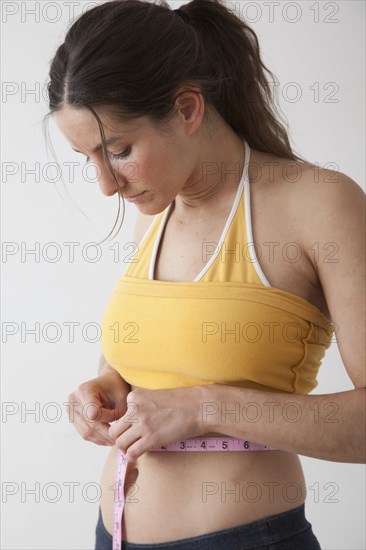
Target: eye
[
  {"x": 116, "y": 156},
  {"x": 122, "y": 155}
]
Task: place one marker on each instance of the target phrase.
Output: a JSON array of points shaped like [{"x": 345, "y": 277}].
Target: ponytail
[{"x": 239, "y": 89}]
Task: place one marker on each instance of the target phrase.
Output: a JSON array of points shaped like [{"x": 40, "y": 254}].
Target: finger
[
  {"x": 138, "y": 448},
  {"x": 110, "y": 415},
  {"x": 125, "y": 441},
  {"x": 102, "y": 429},
  {"x": 96, "y": 411},
  {"x": 96, "y": 432},
  {"x": 119, "y": 427},
  {"x": 73, "y": 406}
]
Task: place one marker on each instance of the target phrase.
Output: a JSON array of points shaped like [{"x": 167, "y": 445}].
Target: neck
[{"x": 218, "y": 172}]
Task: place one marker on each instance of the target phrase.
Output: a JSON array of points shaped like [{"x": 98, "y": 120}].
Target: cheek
[
  {"x": 157, "y": 169},
  {"x": 153, "y": 170}
]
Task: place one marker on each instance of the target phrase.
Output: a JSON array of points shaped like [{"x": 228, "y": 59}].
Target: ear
[{"x": 190, "y": 108}]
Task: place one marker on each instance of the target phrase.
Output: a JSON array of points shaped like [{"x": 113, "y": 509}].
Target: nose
[{"x": 107, "y": 184}]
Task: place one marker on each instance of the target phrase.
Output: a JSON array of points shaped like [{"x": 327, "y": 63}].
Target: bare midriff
[{"x": 175, "y": 495}]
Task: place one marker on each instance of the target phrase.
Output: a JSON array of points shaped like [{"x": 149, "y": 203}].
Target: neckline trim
[
  {"x": 250, "y": 240},
  {"x": 244, "y": 181}
]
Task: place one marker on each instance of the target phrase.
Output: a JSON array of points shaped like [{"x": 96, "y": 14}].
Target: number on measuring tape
[{"x": 218, "y": 444}]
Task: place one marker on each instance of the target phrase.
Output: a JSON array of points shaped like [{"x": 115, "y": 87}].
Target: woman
[{"x": 175, "y": 111}]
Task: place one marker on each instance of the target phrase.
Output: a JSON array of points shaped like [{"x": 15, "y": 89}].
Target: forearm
[{"x": 328, "y": 427}]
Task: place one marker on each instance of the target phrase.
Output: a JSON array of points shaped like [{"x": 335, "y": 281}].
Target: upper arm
[
  {"x": 333, "y": 222},
  {"x": 143, "y": 222}
]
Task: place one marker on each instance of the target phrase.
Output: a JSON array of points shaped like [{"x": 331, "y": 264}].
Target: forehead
[{"x": 81, "y": 129}]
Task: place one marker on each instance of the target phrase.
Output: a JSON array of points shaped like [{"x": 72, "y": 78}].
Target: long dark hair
[{"x": 132, "y": 57}]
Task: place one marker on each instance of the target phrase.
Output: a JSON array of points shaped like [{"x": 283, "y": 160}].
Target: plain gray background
[{"x": 316, "y": 50}]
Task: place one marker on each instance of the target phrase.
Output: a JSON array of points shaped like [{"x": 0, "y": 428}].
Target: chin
[{"x": 150, "y": 209}]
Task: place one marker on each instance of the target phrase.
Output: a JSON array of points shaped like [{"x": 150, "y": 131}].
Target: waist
[
  {"x": 211, "y": 490},
  {"x": 159, "y": 473},
  {"x": 160, "y": 470}
]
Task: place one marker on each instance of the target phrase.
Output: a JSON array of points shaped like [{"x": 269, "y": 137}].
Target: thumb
[{"x": 110, "y": 415}]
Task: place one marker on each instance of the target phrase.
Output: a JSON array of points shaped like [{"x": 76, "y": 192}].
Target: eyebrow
[{"x": 109, "y": 141}]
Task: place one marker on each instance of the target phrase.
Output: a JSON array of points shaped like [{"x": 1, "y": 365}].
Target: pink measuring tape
[{"x": 196, "y": 444}]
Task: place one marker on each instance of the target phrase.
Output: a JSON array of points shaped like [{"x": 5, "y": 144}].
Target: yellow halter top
[{"x": 227, "y": 326}]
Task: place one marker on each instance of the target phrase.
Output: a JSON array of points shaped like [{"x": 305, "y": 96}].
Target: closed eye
[
  {"x": 116, "y": 156},
  {"x": 122, "y": 155}
]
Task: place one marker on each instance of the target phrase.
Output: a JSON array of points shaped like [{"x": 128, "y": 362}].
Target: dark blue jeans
[{"x": 286, "y": 531}]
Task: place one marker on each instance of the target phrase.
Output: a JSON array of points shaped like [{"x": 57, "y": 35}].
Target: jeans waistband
[{"x": 263, "y": 531}]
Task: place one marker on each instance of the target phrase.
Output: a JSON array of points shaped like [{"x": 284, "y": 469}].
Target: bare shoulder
[
  {"x": 329, "y": 186},
  {"x": 307, "y": 196},
  {"x": 321, "y": 211},
  {"x": 324, "y": 197},
  {"x": 142, "y": 224},
  {"x": 328, "y": 208}
]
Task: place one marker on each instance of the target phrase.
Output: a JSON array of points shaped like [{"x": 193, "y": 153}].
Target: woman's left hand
[{"x": 157, "y": 417}]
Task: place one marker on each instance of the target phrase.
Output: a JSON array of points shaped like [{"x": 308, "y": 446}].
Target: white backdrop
[{"x": 316, "y": 50}]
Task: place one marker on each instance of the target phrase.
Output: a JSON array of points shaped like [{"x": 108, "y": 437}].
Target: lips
[{"x": 134, "y": 196}]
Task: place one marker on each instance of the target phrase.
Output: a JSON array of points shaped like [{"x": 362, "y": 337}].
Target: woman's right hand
[{"x": 96, "y": 403}]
